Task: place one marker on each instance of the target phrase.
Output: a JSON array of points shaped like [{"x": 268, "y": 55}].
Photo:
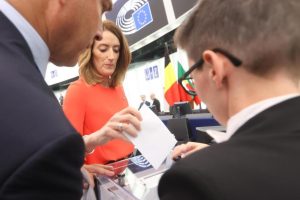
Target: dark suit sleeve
[
  {"x": 140, "y": 106},
  {"x": 180, "y": 183},
  {"x": 48, "y": 174},
  {"x": 174, "y": 186},
  {"x": 157, "y": 104},
  {"x": 147, "y": 103},
  {"x": 40, "y": 152}
]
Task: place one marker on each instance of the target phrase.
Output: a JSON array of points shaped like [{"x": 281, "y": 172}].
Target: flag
[
  {"x": 142, "y": 17},
  {"x": 197, "y": 100},
  {"x": 171, "y": 85},
  {"x": 184, "y": 96}
]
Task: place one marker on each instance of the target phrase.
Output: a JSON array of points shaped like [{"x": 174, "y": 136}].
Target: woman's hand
[
  {"x": 127, "y": 120},
  {"x": 96, "y": 169},
  {"x": 187, "y": 149}
]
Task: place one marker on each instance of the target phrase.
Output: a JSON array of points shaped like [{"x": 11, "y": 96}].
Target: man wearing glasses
[{"x": 245, "y": 65}]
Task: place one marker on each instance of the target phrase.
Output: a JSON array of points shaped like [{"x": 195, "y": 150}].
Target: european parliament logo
[
  {"x": 138, "y": 164},
  {"x": 142, "y": 17},
  {"x": 133, "y": 16}
]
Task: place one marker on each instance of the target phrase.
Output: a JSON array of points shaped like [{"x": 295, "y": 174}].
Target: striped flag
[
  {"x": 184, "y": 96},
  {"x": 171, "y": 85}
]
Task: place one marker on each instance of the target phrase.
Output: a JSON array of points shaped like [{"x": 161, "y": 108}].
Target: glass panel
[{"x": 136, "y": 178}]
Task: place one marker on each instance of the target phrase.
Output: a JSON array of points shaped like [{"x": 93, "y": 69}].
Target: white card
[{"x": 154, "y": 141}]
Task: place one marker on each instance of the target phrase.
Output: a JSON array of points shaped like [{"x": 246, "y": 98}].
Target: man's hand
[{"x": 187, "y": 149}]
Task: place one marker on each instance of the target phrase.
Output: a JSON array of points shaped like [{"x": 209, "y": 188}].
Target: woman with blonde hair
[{"x": 98, "y": 94}]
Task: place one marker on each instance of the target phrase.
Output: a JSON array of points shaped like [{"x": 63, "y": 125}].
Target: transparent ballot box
[{"x": 136, "y": 179}]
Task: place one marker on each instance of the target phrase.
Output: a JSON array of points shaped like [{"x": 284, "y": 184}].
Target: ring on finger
[{"x": 120, "y": 126}]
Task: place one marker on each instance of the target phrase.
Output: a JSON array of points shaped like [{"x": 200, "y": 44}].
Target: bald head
[
  {"x": 67, "y": 27},
  {"x": 152, "y": 96}
]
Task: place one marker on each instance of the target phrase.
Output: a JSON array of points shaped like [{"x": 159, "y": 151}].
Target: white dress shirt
[{"x": 38, "y": 47}]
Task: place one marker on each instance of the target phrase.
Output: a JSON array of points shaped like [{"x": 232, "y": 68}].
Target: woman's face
[{"x": 106, "y": 53}]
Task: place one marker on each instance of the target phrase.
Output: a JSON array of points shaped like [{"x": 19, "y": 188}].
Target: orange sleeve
[{"x": 74, "y": 105}]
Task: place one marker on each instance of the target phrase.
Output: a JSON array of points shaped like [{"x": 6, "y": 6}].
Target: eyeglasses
[{"x": 188, "y": 83}]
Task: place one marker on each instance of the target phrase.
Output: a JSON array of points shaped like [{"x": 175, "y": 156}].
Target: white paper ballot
[{"x": 154, "y": 141}]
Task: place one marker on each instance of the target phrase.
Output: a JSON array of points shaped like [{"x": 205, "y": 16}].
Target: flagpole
[{"x": 166, "y": 49}]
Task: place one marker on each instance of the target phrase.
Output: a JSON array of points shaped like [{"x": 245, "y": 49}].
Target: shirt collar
[
  {"x": 36, "y": 44},
  {"x": 239, "y": 119}
]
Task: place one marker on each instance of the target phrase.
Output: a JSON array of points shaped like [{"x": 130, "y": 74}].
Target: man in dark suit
[
  {"x": 144, "y": 101},
  {"x": 40, "y": 152},
  {"x": 155, "y": 102},
  {"x": 245, "y": 63}
]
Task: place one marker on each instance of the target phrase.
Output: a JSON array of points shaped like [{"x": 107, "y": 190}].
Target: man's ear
[{"x": 217, "y": 69}]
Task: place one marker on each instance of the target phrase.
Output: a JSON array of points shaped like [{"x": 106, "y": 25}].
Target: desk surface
[
  {"x": 215, "y": 128},
  {"x": 165, "y": 117},
  {"x": 189, "y": 116},
  {"x": 199, "y": 115}
]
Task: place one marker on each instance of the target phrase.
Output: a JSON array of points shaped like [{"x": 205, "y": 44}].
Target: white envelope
[{"x": 154, "y": 141}]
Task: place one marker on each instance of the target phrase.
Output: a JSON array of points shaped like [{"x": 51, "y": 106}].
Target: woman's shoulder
[
  {"x": 80, "y": 84},
  {"x": 79, "y": 88},
  {"x": 119, "y": 87}
]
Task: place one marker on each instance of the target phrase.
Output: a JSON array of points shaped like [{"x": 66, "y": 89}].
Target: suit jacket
[
  {"x": 40, "y": 152},
  {"x": 261, "y": 161},
  {"x": 142, "y": 103},
  {"x": 156, "y": 103}
]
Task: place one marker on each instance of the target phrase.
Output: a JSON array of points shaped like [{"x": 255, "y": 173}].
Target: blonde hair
[{"x": 87, "y": 69}]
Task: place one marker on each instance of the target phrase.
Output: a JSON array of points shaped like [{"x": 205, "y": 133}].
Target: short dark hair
[{"x": 264, "y": 34}]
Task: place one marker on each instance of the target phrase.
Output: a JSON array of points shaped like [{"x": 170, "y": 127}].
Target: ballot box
[{"x": 136, "y": 179}]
